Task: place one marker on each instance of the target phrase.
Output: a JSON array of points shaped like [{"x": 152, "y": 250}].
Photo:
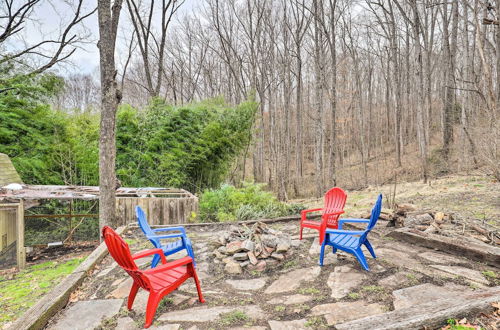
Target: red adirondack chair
[
  {"x": 334, "y": 207},
  {"x": 159, "y": 281}
]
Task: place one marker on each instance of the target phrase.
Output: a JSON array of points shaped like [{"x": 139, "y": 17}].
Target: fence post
[{"x": 20, "y": 249}]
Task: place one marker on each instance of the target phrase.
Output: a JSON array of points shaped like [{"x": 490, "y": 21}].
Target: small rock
[
  {"x": 252, "y": 258},
  {"x": 222, "y": 249},
  {"x": 244, "y": 263},
  {"x": 241, "y": 256},
  {"x": 269, "y": 240},
  {"x": 233, "y": 268},
  {"x": 219, "y": 255},
  {"x": 283, "y": 246},
  {"x": 296, "y": 243},
  {"x": 261, "y": 266},
  {"x": 278, "y": 256},
  {"x": 233, "y": 247},
  {"x": 269, "y": 250},
  {"x": 248, "y": 245},
  {"x": 227, "y": 260}
]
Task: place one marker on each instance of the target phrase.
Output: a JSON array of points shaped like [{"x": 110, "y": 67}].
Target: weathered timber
[
  {"x": 39, "y": 314},
  {"x": 460, "y": 246},
  {"x": 159, "y": 211},
  {"x": 431, "y": 314}
]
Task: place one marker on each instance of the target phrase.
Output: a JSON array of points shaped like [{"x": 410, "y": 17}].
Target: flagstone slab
[
  {"x": 288, "y": 325},
  {"x": 440, "y": 258},
  {"x": 88, "y": 314},
  {"x": 468, "y": 273},
  {"x": 122, "y": 290},
  {"x": 164, "y": 327},
  {"x": 424, "y": 293},
  {"x": 292, "y": 280},
  {"x": 209, "y": 314},
  {"x": 249, "y": 328},
  {"x": 343, "y": 279},
  {"x": 399, "y": 279},
  {"x": 248, "y": 285},
  {"x": 291, "y": 300},
  {"x": 315, "y": 248},
  {"x": 346, "y": 311},
  {"x": 126, "y": 323}
]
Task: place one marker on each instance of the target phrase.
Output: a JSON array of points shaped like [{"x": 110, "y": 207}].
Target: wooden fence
[{"x": 160, "y": 211}]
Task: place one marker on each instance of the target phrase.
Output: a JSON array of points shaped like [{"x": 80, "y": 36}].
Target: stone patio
[{"x": 297, "y": 294}]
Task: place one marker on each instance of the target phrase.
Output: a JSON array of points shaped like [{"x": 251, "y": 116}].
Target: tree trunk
[{"x": 108, "y": 22}]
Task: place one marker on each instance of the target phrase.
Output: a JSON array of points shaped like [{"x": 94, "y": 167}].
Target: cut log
[{"x": 402, "y": 209}]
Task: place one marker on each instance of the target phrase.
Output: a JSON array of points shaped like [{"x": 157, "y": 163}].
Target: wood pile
[
  {"x": 437, "y": 222},
  {"x": 254, "y": 248}
]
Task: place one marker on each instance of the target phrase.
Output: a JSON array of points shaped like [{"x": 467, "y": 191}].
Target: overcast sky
[{"x": 46, "y": 22}]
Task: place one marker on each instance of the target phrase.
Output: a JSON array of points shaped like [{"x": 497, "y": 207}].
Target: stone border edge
[
  {"x": 489, "y": 255},
  {"x": 431, "y": 314},
  {"x": 37, "y": 316}
]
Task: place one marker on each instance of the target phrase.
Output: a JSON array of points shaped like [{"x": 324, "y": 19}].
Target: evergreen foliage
[
  {"x": 191, "y": 146},
  {"x": 249, "y": 202}
]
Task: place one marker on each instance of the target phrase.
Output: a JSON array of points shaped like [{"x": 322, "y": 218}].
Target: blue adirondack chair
[
  {"x": 351, "y": 241},
  {"x": 154, "y": 238}
]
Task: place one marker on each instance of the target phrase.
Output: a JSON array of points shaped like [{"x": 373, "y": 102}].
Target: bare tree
[{"x": 110, "y": 98}]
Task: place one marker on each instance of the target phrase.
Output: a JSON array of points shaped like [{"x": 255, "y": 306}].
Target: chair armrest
[
  {"x": 347, "y": 232},
  {"x": 311, "y": 210},
  {"x": 333, "y": 213},
  {"x": 164, "y": 236},
  {"x": 170, "y": 265},
  {"x": 303, "y": 213},
  {"x": 181, "y": 229},
  {"x": 341, "y": 221},
  {"x": 145, "y": 253}
]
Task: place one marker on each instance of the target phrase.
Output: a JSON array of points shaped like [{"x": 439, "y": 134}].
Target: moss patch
[{"x": 27, "y": 287}]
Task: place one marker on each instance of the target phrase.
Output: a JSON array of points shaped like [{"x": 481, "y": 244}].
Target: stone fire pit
[{"x": 253, "y": 248}]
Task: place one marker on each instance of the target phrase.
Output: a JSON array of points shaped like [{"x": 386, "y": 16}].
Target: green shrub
[{"x": 229, "y": 203}]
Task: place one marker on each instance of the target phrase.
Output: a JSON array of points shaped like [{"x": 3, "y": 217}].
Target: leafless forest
[{"x": 351, "y": 93}]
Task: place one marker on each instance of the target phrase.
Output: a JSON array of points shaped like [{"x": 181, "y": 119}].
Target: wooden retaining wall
[{"x": 160, "y": 211}]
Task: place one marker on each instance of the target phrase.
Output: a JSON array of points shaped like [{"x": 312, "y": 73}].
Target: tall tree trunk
[{"x": 108, "y": 23}]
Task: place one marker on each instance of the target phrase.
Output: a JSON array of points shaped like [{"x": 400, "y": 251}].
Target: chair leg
[
  {"x": 198, "y": 287},
  {"x": 153, "y": 301},
  {"x": 370, "y": 248},
  {"x": 131, "y": 295},
  {"x": 322, "y": 253},
  {"x": 155, "y": 261},
  {"x": 361, "y": 258},
  {"x": 334, "y": 249}
]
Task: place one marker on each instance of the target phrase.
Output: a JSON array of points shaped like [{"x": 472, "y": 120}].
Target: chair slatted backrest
[
  {"x": 120, "y": 251},
  {"x": 334, "y": 201},
  {"x": 373, "y": 218},
  {"x": 146, "y": 229}
]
